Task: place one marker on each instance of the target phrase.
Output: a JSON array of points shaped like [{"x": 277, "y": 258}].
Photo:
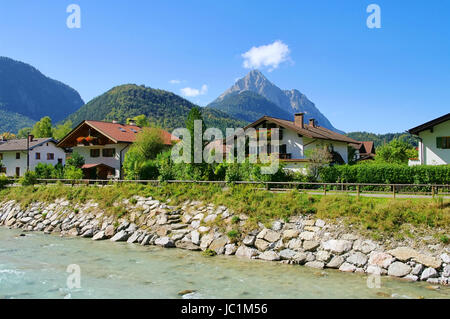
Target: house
[
  {"x": 434, "y": 141},
  {"x": 103, "y": 146},
  {"x": 364, "y": 150},
  {"x": 19, "y": 155},
  {"x": 297, "y": 138}
]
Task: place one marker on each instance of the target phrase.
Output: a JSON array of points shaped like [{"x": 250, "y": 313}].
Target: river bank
[{"x": 216, "y": 229}]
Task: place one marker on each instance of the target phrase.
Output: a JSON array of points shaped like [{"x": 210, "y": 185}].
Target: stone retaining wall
[{"x": 197, "y": 226}]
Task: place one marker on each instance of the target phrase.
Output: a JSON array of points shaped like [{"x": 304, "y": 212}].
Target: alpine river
[{"x": 35, "y": 266}]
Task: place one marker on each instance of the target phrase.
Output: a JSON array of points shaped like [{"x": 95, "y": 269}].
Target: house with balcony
[
  {"x": 20, "y": 155},
  {"x": 296, "y": 138},
  {"x": 434, "y": 142},
  {"x": 103, "y": 146}
]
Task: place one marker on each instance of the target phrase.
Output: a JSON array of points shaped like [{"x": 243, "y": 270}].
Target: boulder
[
  {"x": 218, "y": 245},
  {"x": 269, "y": 256},
  {"x": 428, "y": 273},
  {"x": 374, "y": 270},
  {"x": 146, "y": 240},
  {"x": 323, "y": 255},
  {"x": 336, "y": 262},
  {"x": 230, "y": 249},
  {"x": 428, "y": 261},
  {"x": 380, "y": 259},
  {"x": 182, "y": 244},
  {"x": 364, "y": 246},
  {"x": 195, "y": 237},
  {"x": 398, "y": 269},
  {"x": 295, "y": 244},
  {"x": 249, "y": 240},
  {"x": 338, "y": 246},
  {"x": 133, "y": 238},
  {"x": 120, "y": 236},
  {"x": 99, "y": 236},
  {"x": 347, "y": 267},
  {"x": 109, "y": 231},
  {"x": 445, "y": 258},
  {"x": 244, "y": 251},
  {"x": 411, "y": 277},
  {"x": 300, "y": 258},
  {"x": 277, "y": 225},
  {"x": 446, "y": 271},
  {"x": 320, "y": 223},
  {"x": 164, "y": 242},
  {"x": 287, "y": 254},
  {"x": 88, "y": 233},
  {"x": 270, "y": 235},
  {"x": 357, "y": 259},
  {"x": 306, "y": 235},
  {"x": 417, "y": 269},
  {"x": 206, "y": 241},
  {"x": 290, "y": 233},
  {"x": 315, "y": 264},
  {"x": 310, "y": 245},
  {"x": 403, "y": 253},
  {"x": 261, "y": 244}
]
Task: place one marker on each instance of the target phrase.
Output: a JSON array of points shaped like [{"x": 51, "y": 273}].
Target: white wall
[
  {"x": 114, "y": 162},
  {"x": 431, "y": 154},
  {"x": 10, "y": 161}
]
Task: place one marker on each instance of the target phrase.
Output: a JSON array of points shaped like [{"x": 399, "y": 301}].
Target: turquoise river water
[{"x": 35, "y": 266}]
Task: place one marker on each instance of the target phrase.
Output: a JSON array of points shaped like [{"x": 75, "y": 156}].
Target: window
[
  {"x": 50, "y": 156},
  {"x": 60, "y": 161},
  {"x": 95, "y": 152},
  {"x": 283, "y": 149},
  {"x": 443, "y": 142},
  {"x": 1, "y": 156},
  {"x": 17, "y": 171},
  {"x": 17, "y": 155},
  {"x": 38, "y": 156},
  {"x": 3, "y": 170},
  {"x": 108, "y": 152}
]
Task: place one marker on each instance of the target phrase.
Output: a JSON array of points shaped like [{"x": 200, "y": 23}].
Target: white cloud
[
  {"x": 174, "y": 81},
  {"x": 191, "y": 92},
  {"x": 270, "y": 55}
]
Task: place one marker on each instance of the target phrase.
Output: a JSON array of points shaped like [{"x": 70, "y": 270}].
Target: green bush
[
  {"x": 28, "y": 179},
  {"x": 4, "y": 181},
  {"x": 44, "y": 171},
  {"x": 72, "y": 172},
  {"x": 386, "y": 174}
]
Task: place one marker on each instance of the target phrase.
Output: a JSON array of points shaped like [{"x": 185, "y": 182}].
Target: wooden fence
[{"x": 311, "y": 187}]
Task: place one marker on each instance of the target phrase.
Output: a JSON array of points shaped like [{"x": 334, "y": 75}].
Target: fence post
[
  {"x": 357, "y": 191},
  {"x": 268, "y": 186},
  {"x": 433, "y": 191},
  {"x": 393, "y": 190},
  {"x": 324, "y": 189}
]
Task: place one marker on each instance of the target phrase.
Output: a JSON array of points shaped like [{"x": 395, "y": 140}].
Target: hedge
[{"x": 386, "y": 174}]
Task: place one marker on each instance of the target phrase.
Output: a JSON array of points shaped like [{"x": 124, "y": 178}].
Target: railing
[{"x": 393, "y": 190}]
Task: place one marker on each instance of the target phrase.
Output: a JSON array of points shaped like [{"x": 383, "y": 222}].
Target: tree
[
  {"x": 194, "y": 115},
  {"x": 43, "y": 128},
  {"x": 395, "y": 152},
  {"x": 75, "y": 160},
  {"x": 318, "y": 158},
  {"x": 72, "y": 172},
  {"x": 62, "y": 130},
  {"x": 140, "y": 120},
  {"x": 8, "y": 136},
  {"x": 23, "y": 132}
]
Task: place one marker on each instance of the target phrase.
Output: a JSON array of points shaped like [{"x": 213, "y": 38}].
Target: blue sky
[{"x": 377, "y": 80}]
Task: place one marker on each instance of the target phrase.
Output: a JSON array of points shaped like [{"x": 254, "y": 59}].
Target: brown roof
[
  {"x": 21, "y": 144},
  {"x": 316, "y": 132},
  {"x": 117, "y": 133},
  {"x": 416, "y": 130}
]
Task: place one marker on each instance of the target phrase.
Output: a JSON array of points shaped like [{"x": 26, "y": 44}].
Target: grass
[{"x": 378, "y": 216}]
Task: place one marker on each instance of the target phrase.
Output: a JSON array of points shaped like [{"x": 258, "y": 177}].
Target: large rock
[
  {"x": 445, "y": 258},
  {"x": 374, "y": 269},
  {"x": 310, "y": 245},
  {"x": 287, "y": 254},
  {"x": 186, "y": 245},
  {"x": 406, "y": 253},
  {"x": 164, "y": 242},
  {"x": 195, "y": 237},
  {"x": 261, "y": 244},
  {"x": 269, "y": 255},
  {"x": 295, "y": 244},
  {"x": 428, "y": 261},
  {"x": 269, "y": 235},
  {"x": 428, "y": 273},
  {"x": 218, "y": 245},
  {"x": 446, "y": 271},
  {"x": 244, "y": 251},
  {"x": 338, "y": 246},
  {"x": 120, "y": 236},
  {"x": 134, "y": 237},
  {"x": 206, "y": 241},
  {"x": 380, "y": 259},
  {"x": 323, "y": 255},
  {"x": 398, "y": 269},
  {"x": 336, "y": 262},
  {"x": 347, "y": 267},
  {"x": 290, "y": 233},
  {"x": 364, "y": 246},
  {"x": 230, "y": 249},
  {"x": 109, "y": 231},
  {"x": 249, "y": 240},
  {"x": 306, "y": 235},
  {"x": 357, "y": 258},
  {"x": 315, "y": 264}
]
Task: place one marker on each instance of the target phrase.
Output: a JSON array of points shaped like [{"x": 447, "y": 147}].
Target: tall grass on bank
[{"x": 379, "y": 216}]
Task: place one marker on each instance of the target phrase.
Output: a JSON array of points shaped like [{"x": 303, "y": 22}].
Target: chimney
[
  {"x": 298, "y": 119},
  {"x": 312, "y": 122},
  {"x": 30, "y": 138}
]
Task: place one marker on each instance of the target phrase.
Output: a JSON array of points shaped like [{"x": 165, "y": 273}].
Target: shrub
[
  {"x": 28, "y": 179},
  {"x": 233, "y": 234},
  {"x": 45, "y": 171},
  {"x": 72, "y": 172},
  {"x": 209, "y": 252},
  {"x": 4, "y": 181}
]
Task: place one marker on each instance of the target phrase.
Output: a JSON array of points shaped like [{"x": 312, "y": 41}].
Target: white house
[
  {"x": 103, "y": 146},
  {"x": 18, "y": 155},
  {"x": 297, "y": 137},
  {"x": 434, "y": 141}
]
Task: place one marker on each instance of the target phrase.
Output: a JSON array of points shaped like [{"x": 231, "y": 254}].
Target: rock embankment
[{"x": 197, "y": 226}]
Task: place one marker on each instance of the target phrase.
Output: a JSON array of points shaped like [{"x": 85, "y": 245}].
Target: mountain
[
  {"x": 249, "y": 106},
  {"x": 291, "y": 101},
  {"x": 29, "y": 95},
  {"x": 163, "y": 108},
  {"x": 381, "y": 139}
]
